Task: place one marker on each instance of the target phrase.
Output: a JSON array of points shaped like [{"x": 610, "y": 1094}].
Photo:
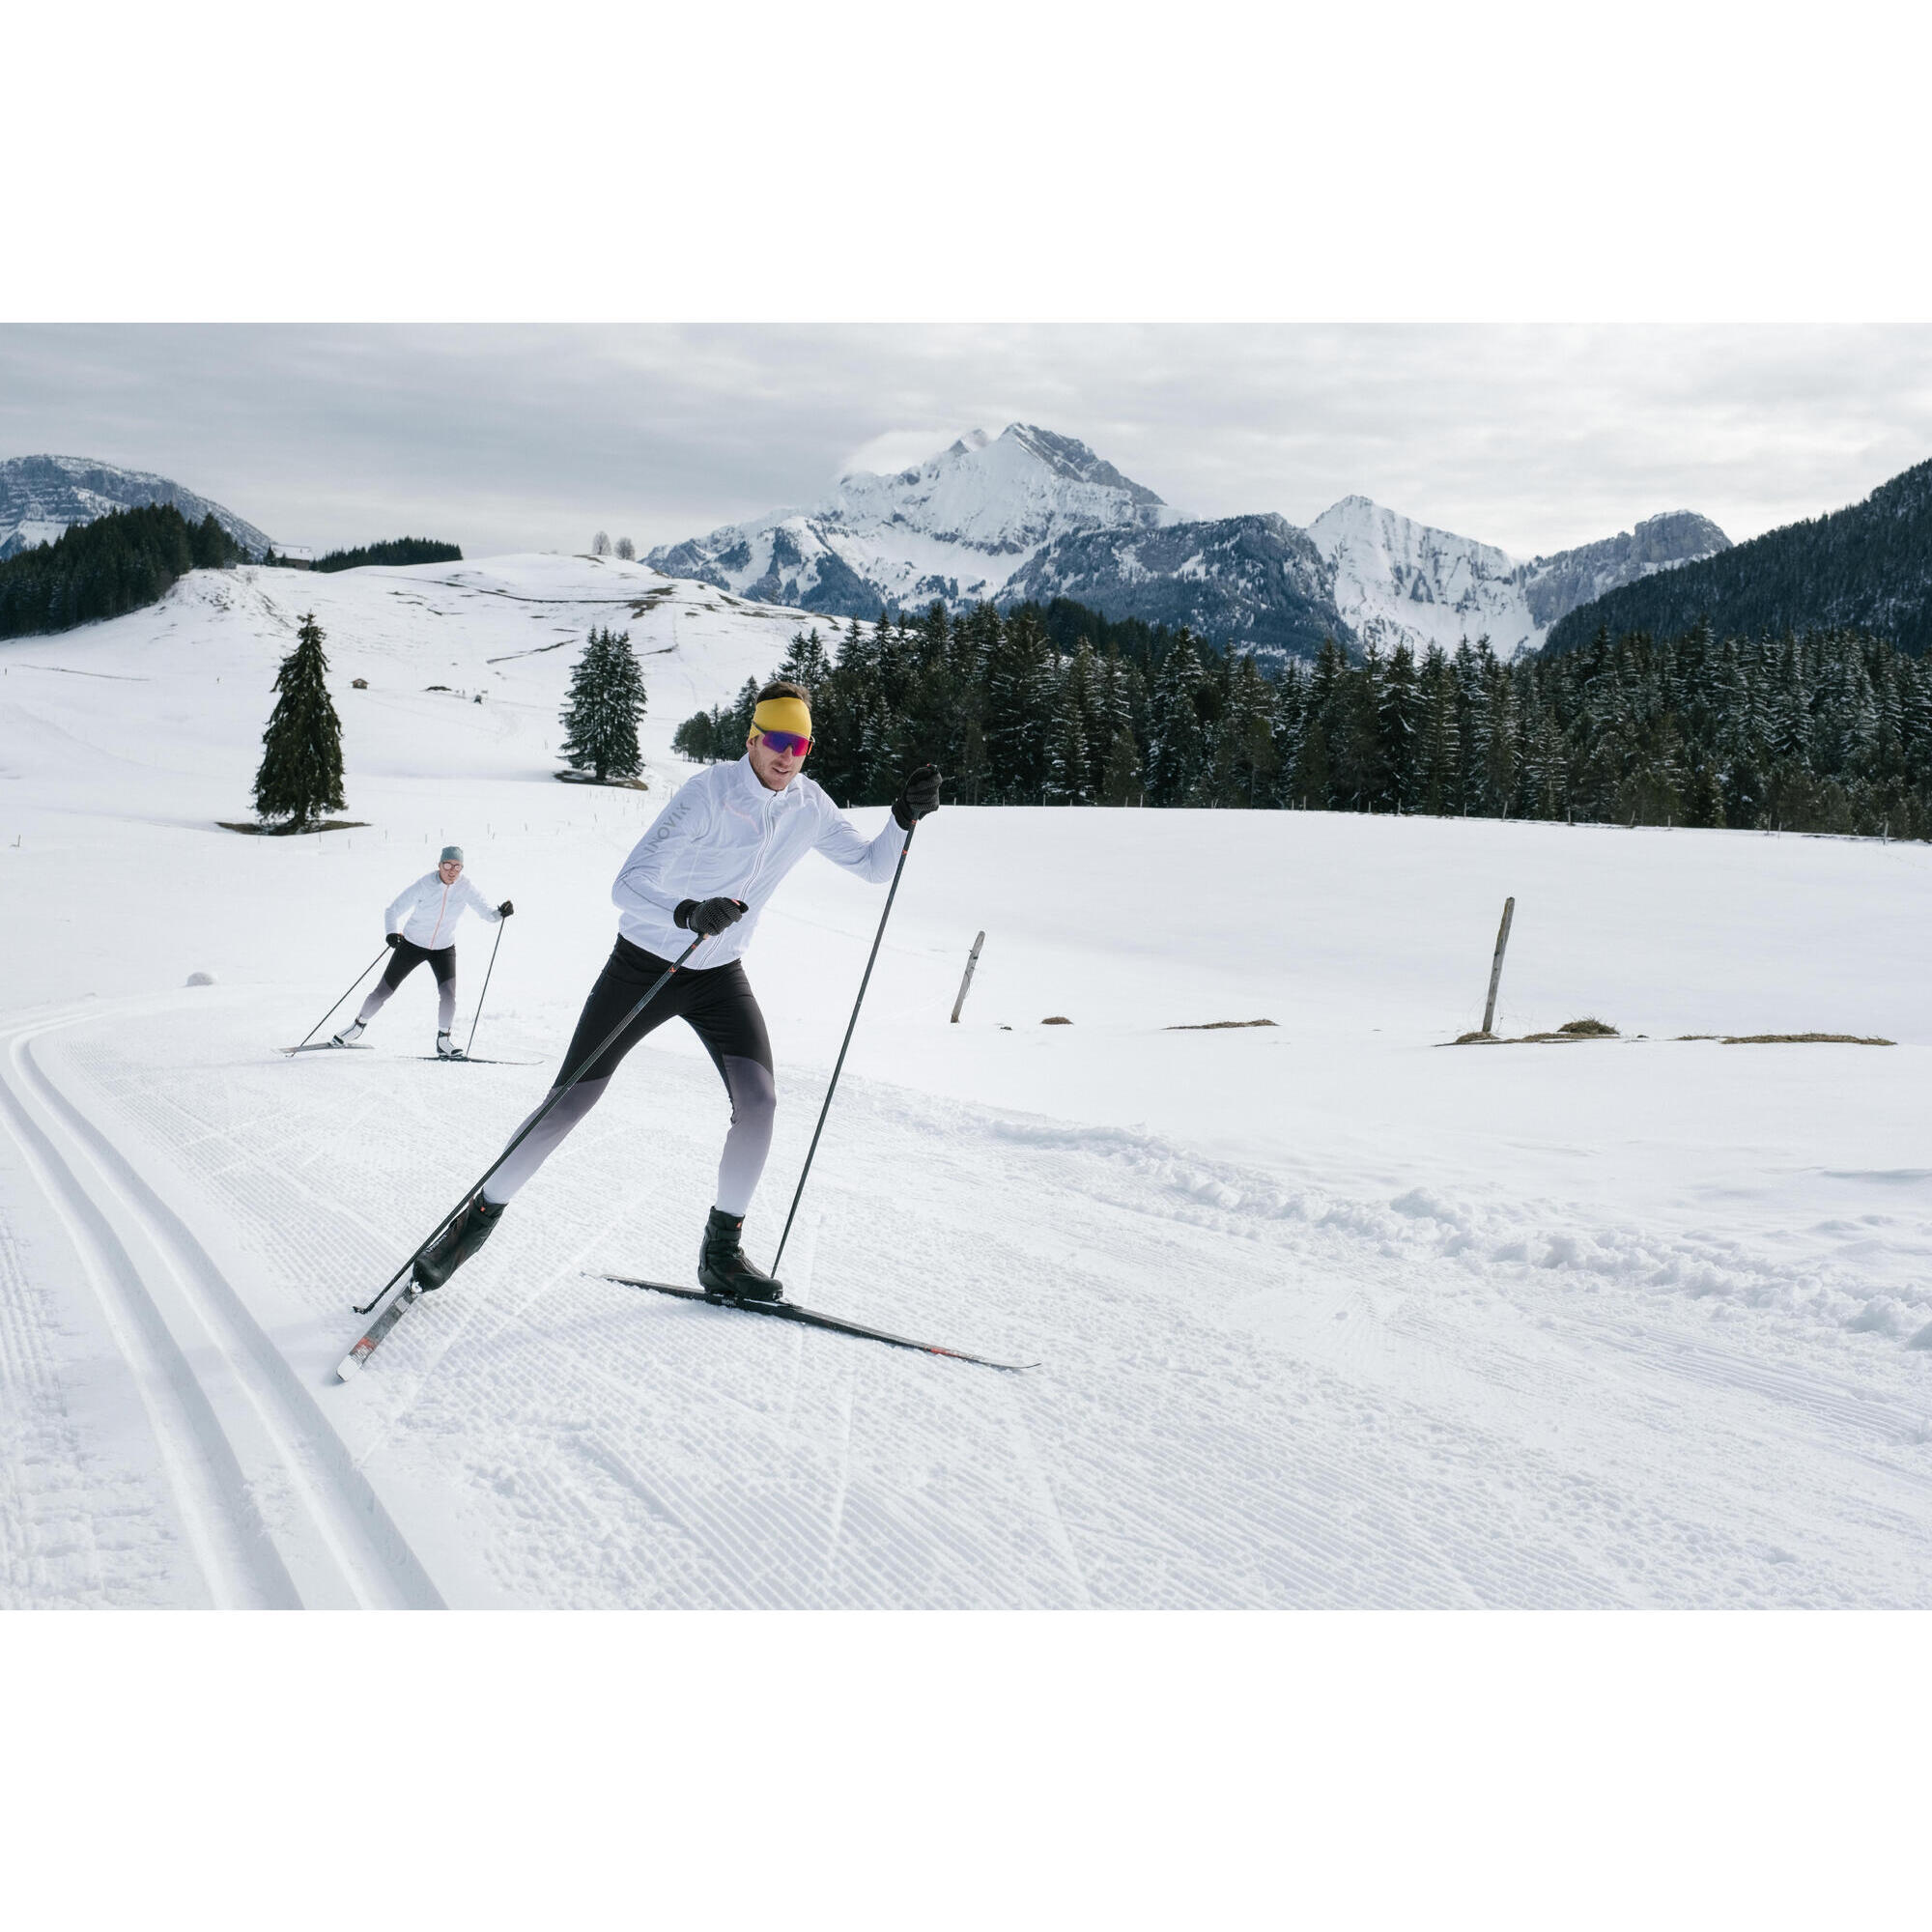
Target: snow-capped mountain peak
[
  {"x": 957, "y": 527},
  {"x": 1399, "y": 581}
]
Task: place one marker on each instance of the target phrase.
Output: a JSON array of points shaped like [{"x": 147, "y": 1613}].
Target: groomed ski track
[
  {"x": 273, "y": 1509},
  {"x": 1248, "y": 1398}
]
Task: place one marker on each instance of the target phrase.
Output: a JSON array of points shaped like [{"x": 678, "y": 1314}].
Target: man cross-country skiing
[
  {"x": 706, "y": 866},
  {"x": 421, "y": 925}
]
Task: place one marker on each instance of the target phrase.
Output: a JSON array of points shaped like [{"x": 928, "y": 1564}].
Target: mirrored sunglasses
[{"x": 786, "y": 744}]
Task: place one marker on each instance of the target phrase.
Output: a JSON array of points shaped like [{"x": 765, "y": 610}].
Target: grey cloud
[{"x": 1531, "y": 438}]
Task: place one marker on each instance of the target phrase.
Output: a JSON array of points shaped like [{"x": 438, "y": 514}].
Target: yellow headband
[{"x": 784, "y": 714}]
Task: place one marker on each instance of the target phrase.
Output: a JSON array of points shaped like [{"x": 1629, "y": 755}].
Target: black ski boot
[
  {"x": 457, "y": 1243},
  {"x": 722, "y": 1268}
]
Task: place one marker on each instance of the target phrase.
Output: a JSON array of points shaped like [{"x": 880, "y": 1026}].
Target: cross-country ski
[
  {"x": 811, "y": 1318},
  {"x": 471, "y": 1059},
  {"x": 372, "y": 1337}
]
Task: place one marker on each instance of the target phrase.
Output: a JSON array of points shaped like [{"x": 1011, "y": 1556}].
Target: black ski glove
[
  {"x": 708, "y": 918},
  {"x": 918, "y": 797},
  {"x": 393, "y": 939},
  {"x": 506, "y": 909}
]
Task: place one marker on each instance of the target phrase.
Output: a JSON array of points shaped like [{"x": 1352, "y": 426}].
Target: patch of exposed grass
[
  {"x": 1597, "y": 1029},
  {"x": 1215, "y": 1026},
  {"x": 1056, "y": 1019},
  {"x": 1802, "y": 1038},
  {"x": 1575, "y": 1029}
]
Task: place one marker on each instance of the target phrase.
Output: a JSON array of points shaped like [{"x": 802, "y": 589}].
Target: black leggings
[
  {"x": 404, "y": 961},
  {"x": 724, "y": 1012}
]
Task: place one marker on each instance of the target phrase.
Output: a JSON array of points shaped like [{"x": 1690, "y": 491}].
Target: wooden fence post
[
  {"x": 1496, "y": 964},
  {"x": 972, "y": 960}
]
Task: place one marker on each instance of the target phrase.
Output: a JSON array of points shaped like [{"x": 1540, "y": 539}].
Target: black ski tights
[{"x": 724, "y": 1012}]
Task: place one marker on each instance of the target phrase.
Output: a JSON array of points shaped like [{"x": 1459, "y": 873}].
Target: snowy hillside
[
  {"x": 956, "y": 528},
  {"x": 1400, "y": 581},
  {"x": 40, "y": 496},
  {"x": 1327, "y": 1313}
]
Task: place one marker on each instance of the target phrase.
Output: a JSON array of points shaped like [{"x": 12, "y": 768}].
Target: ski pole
[
  {"x": 477, "y": 1019},
  {"x": 849, "y": 1026},
  {"x": 346, "y": 991},
  {"x": 523, "y": 1133}
]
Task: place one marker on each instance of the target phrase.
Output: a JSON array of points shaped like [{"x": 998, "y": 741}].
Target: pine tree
[
  {"x": 931, "y": 636},
  {"x": 1176, "y": 742},
  {"x": 1542, "y": 788},
  {"x": 1019, "y": 686},
  {"x": 302, "y": 750},
  {"x": 606, "y": 702},
  {"x": 1068, "y": 781},
  {"x": 696, "y": 738},
  {"x": 1087, "y": 679},
  {"x": 1290, "y": 701},
  {"x": 1359, "y": 777},
  {"x": 1474, "y": 713},
  {"x": 1790, "y": 714},
  {"x": 1500, "y": 768},
  {"x": 743, "y": 706},
  {"x": 1244, "y": 754},
  {"x": 806, "y": 662},
  {"x": 1399, "y": 728},
  {"x": 1120, "y": 779},
  {"x": 1324, "y": 725},
  {"x": 1440, "y": 753}
]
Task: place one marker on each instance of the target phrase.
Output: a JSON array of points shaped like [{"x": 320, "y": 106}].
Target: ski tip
[{"x": 350, "y": 1366}]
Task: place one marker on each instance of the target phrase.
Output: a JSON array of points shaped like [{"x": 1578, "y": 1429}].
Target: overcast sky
[{"x": 518, "y": 438}]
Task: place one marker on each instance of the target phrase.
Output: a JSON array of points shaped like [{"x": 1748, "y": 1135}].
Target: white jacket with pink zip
[{"x": 426, "y": 913}]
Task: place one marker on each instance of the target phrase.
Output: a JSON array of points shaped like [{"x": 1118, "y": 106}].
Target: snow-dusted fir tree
[
  {"x": 1176, "y": 742},
  {"x": 606, "y": 699},
  {"x": 1399, "y": 721},
  {"x": 805, "y": 661},
  {"x": 302, "y": 750},
  {"x": 1069, "y": 776},
  {"x": 1019, "y": 696}
]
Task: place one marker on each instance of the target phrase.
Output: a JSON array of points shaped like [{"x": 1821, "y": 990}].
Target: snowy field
[{"x": 1327, "y": 1313}]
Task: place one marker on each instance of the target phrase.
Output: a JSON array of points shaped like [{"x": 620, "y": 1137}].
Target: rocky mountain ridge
[{"x": 40, "y": 496}]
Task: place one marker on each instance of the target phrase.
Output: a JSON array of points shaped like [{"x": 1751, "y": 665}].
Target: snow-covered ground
[{"x": 1327, "y": 1313}]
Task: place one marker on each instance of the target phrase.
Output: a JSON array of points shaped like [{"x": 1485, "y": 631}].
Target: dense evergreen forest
[
  {"x": 1830, "y": 731},
  {"x": 1866, "y": 568},
  {"x": 117, "y": 563},
  {"x": 402, "y": 549}
]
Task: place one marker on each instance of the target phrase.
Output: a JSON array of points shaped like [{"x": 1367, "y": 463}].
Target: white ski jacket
[
  {"x": 726, "y": 834},
  {"x": 426, "y": 913}
]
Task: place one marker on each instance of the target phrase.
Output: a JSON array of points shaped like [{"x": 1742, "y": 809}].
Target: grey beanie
[{"x": 450, "y": 852}]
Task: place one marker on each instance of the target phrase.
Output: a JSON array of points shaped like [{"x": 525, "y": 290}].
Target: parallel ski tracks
[{"x": 272, "y": 1505}]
